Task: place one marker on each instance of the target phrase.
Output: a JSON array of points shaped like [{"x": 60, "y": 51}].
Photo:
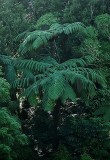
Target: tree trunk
[{"x": 56, "y": 120}]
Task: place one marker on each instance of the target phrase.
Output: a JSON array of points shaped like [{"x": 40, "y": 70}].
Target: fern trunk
[{"x": 56, "y": 120}]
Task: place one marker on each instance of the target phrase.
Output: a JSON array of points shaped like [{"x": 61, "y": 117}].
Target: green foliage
[
  {"x": 37, "y": 38},
  {"x": 62, "y": 154},
  {"x": 46, "y": 20},
  {"x": 9, "y": 70},
  {"x": 91, "y": 44},
  {"x": 33, "y": 99},
  {"x": 105, "y": 48},
  {"x": 102, "y": 105},
  {"x": 12, "y": 22},
  {"x": 11, "y": 138},
  {"x": 60, "y": 67},
  {"x": 4, "y": 89},
  {"x": 76, "y": 131},
  {"x": 103, "y": 25},
  {"x": 58, "y": 81},
  {"x": 86, "y": 157}
]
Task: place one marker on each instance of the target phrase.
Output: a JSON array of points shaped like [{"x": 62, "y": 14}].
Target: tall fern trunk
[{"x": 56, "y": 120}]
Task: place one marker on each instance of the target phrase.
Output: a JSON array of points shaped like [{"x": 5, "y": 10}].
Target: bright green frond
[{"x": 73, "y": 27}]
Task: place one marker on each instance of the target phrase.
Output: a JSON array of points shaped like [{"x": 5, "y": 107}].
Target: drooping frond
[
  {"x": 34, "y": 40},
  {"x": 66, "y": 28},
  {"x": 73, "y": 27},
  {"x": 34, "y": 88},
  {"x": 73, "y": 63},
  {"x": 89, "y": 59},
  {"x": 32, "y": 65},
  {"x": 57, "y": 86},
  {"x": 49, "y": 60},
  {"x": 37, "y": 38},
  {"x": 47, "y": 103},
  {"x": 24, "y": 82},
  {"x": 22, "y": 36},
  {"x": 56, "y": 81},
  {"x": 27, "y": 73}
]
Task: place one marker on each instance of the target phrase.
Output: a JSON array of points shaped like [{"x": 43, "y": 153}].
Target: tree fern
[
  {"x": 38, "y": 38},
  {"x": 57, "y": 81}
]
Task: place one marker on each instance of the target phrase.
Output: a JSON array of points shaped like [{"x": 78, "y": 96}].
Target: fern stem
[{"x": 56, "y": 118}]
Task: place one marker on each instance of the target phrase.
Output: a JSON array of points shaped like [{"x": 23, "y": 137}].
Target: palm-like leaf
[
  {"x": 57, "y": 81},
  {"x": 37, "y": 38}
]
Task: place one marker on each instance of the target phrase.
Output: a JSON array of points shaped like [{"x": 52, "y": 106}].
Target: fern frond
[
  {"x": 22, "y": 36},
  {"x": 32, "y": 88},
  {"x": 74, "y": 77},
  {"x": 27, "y": 73},
  {"x": 87, "y": 73},
  {"x": 89, "y": 59},
  {"x": 68, "y": 94},
  {"x": 56, "y": 29},
  {"x": 73, "y": 27},
  {"x": 41, "y": 39},
  {"x": 57, "y": 86},
  {"x": 38, "y": 38},
  {"x": 32, "y": 65},
  {"x": 49, "y": 60},
  {"x": 52, "y": 81},
  {"x": 47, "y": 103},
  {"x": 72, "y": 63},
  {"x": 24, "y": 82}
]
